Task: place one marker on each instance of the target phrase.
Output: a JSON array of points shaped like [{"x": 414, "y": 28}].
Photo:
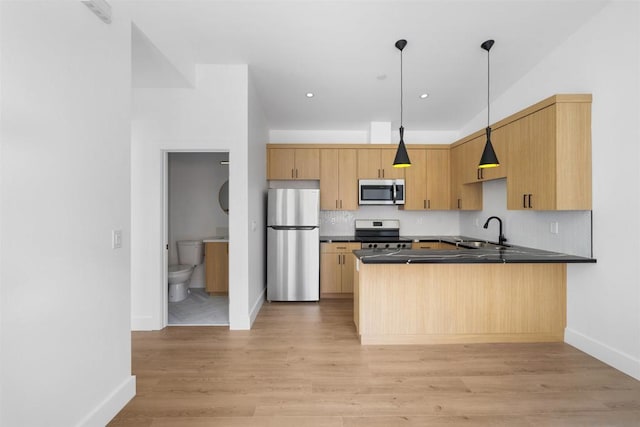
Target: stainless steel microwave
[{"x": 381, "y": 192}]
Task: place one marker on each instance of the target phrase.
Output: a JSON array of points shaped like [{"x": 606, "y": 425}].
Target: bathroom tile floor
[{"x": 200, "y": 309}]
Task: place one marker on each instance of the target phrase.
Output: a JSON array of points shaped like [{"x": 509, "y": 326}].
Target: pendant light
[
  {"x": 489, "y": 158},
  {"x": 402, "y": 157}
]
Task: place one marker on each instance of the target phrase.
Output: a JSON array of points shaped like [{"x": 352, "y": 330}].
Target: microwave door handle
[{"x": 393, "y": 186}]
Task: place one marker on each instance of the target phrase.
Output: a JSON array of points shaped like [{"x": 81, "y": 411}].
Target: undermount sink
[{"x": 474, "y": 244}]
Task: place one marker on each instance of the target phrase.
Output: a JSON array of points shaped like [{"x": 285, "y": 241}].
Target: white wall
[
  {"x": 65, "y": 107},
  {"x": 210, "y": 117},
  {"x": 194, "y": 211},
  {"x": 601, "y": 58},
  {"x": 258, "y": 136}
]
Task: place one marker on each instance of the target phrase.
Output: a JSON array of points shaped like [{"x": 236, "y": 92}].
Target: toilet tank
[{"x": 190, "y": 252}]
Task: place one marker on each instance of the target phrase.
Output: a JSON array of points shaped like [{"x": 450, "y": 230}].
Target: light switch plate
[
  {"x": 553, "y": 227},
  {"x": 116, "y": 239}
]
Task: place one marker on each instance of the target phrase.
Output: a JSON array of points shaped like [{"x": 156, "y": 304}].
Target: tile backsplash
[{"x": 412, "y": 223}]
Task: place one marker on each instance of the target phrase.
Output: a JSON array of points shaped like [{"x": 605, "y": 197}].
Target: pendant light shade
[
  {"x": 489, "y": 158},
  {"x": 402, "y": 157}
]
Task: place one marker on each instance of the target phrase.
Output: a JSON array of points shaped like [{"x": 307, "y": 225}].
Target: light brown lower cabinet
[
  {"x": 337, "y": 268},
  {"x": 460, "y": 303},
  {"x": 216, "y": 264}
]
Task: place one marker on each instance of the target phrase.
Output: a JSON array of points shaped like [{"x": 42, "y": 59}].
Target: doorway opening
[{"x": 196, "y": 236}]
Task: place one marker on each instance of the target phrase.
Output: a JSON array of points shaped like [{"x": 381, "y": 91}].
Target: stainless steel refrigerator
[{"x": 293, "y": 245}]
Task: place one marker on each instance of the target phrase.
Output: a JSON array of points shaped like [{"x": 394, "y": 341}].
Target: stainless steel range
[{"x": 380, "y": 234}]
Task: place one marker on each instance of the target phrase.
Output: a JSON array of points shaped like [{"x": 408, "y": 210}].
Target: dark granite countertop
[
  {"x": 329, "y": 239},
  {"x": 465, "y": 254}
]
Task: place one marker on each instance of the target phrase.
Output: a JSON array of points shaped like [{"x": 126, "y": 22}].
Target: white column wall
[
  {"x": 257, "y": 203},
  {"x": 210, "y": 117},
  {"x": 603, "y": 312},
  {"x": 65, "y": 296}
]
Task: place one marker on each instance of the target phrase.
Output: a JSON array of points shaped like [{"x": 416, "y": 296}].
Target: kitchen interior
[
  {"x": 218, "y": 87},
  {"x": 398, "y": 189},
  {"x": 198, "y": 231}
]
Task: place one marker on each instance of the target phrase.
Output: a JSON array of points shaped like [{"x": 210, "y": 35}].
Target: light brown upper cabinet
[
  {"x": 471, "y": 153},
  {"x": 293, "y": 163},
  {"x": 549, "y": 166},
  {"x": 427, "y": 180},
  {"x": 467, "y": 197},
  {"x": 338, "y": 179},
  {"x": 376, "y": 163}
]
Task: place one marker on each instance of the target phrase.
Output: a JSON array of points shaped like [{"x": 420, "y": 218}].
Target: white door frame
[{"x": 165, "y": 226}]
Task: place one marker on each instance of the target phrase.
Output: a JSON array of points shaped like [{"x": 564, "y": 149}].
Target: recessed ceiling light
[
  {"x": 309, "y": 95},
  {"x": 424, "y": 96}
]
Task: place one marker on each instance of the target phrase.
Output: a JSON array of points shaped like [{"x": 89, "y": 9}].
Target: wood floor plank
[{"x": 302, "y": 365}]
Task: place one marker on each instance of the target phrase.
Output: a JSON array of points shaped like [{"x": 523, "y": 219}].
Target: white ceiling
[{"x": 343, "y": 52}]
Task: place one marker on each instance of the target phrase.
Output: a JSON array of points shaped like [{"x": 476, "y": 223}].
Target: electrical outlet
[
  {"x": 476, "y": 222},
  {"x": 553, "y": 227},
  {"x": 116, "y": 239}
]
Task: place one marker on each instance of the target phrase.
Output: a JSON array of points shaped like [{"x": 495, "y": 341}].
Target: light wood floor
[{"x": 301, "y": 365}]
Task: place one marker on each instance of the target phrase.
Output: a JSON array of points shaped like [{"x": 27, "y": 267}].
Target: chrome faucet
[{"x": 501, "y": 238}]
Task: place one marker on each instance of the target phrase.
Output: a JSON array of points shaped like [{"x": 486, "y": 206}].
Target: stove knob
[
  {"x": 375, "y": 245},
  {"x": 386, "y": 246},
  {"x": 403, "y": 245}
]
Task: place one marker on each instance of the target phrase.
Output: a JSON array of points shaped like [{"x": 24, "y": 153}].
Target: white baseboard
[
  {"x": 620, "y": 360},
  {"x": 257, "y": 306},
  {"x": 143, "y": 323},
  {"x": 109, "y": 407}
]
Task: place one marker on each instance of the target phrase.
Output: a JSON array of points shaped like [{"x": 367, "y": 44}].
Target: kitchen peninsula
[{"x": 483, "y": 294}]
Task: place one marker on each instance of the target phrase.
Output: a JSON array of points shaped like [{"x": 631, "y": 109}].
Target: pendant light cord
[
  {"x": 401, "y": 90},
  {"x": 488, "y": 83}
]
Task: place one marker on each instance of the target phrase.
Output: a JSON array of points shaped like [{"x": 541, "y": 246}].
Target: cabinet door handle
[
  {"x": 478, "y": 174},
  {"x": 424, "y": 204},
  {"x": 383, "y": 173},
  {"x": 336, "y": 204},
  {"x": 530, "y": 201},
  {"x": 292, "y": 176},
  {"x": 296, "y": 173},
  {"x": 341, "y": 247},
  {"x": 428, "y": 204},
  {"x": 340, "y": 204},
  {"x": 524, "y": 201},
  {"x": 459, "y": 204},
  {"x": 378, "y": 173}
]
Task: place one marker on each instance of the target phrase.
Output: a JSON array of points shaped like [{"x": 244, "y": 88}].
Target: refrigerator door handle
[{"x": 296, "y": 227}]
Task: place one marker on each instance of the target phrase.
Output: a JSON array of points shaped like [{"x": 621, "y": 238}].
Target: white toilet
[{"x": 190, "y": 253}]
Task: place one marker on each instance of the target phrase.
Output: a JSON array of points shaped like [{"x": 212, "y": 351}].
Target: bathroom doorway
[{"x": 196, "y": 217}]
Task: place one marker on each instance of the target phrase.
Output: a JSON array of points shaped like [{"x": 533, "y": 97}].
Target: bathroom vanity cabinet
[{"x": 216, "y": 264}]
